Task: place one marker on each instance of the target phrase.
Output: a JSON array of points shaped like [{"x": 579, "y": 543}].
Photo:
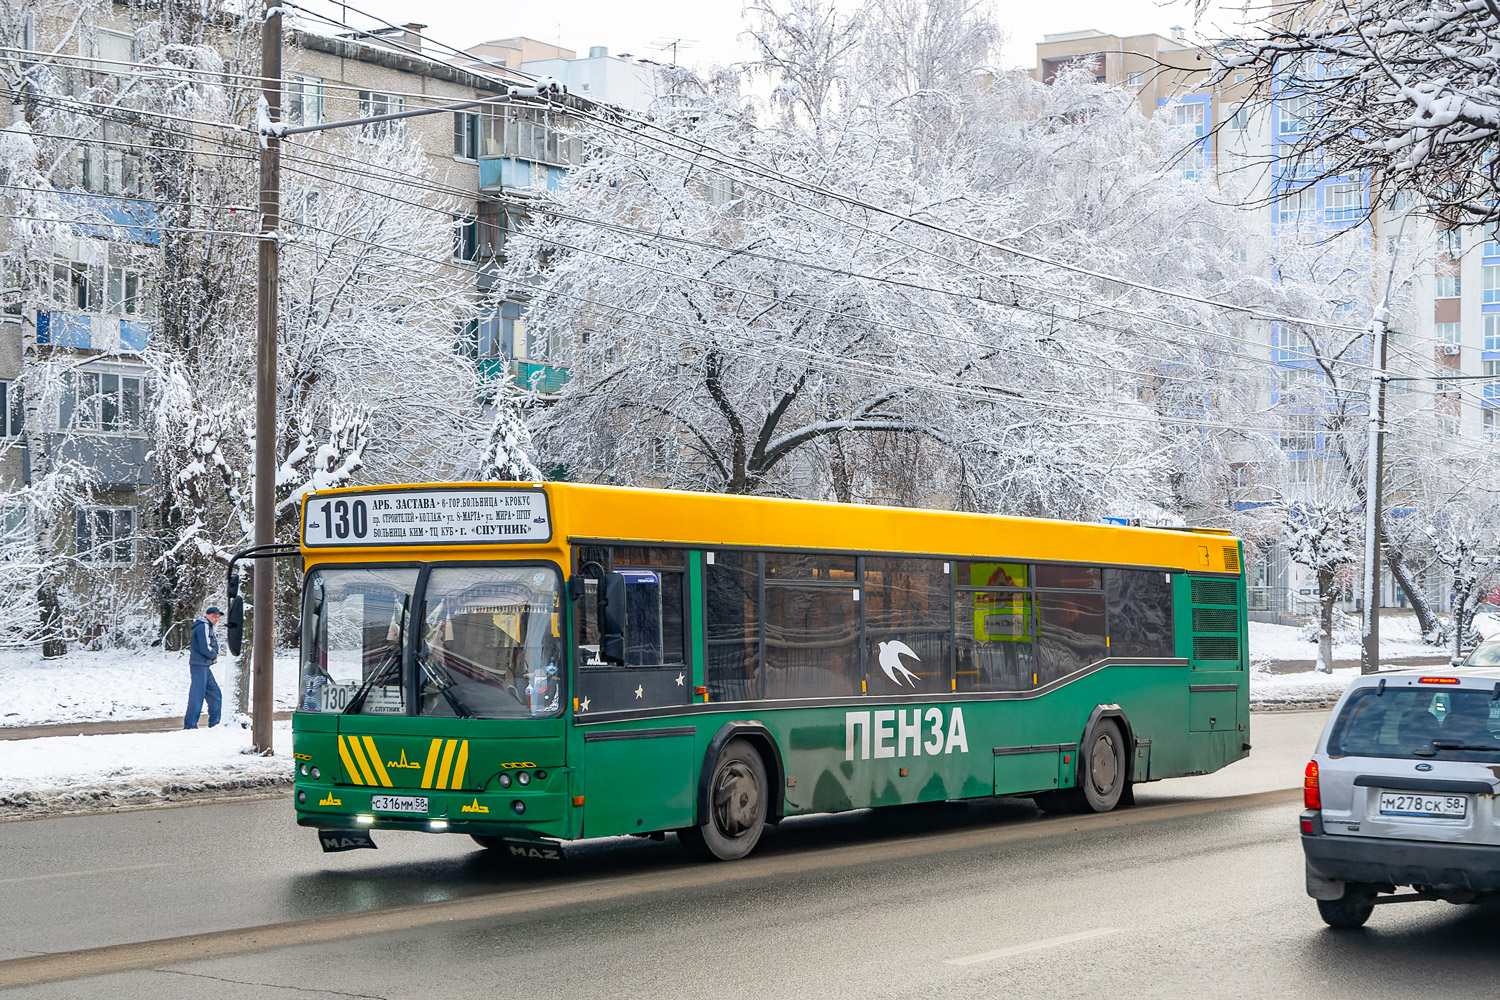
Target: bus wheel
[
  {"x": 737, "y": 805},
  {"x": 1102, "y": 769}
]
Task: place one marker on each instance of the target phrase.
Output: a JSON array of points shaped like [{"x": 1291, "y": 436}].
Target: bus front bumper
[{"x": 503, "y": 812}]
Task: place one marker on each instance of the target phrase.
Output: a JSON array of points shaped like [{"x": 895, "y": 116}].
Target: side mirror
[
  {"x": 234, "y": 625},
  {"x": 234, "y": 586},
  {"x": 612, "y": 619}
]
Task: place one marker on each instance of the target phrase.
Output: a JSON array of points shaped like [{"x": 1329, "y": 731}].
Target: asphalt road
[{"x": 1197, "y": 891}]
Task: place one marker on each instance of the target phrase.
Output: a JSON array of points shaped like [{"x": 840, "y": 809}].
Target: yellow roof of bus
[{"x": 617, "y": 513}]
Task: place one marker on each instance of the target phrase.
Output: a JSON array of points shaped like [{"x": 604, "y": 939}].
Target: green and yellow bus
[{"x": 529, "y": 663}]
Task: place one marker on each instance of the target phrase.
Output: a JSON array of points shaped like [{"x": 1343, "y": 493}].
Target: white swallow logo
[{"x": 890, "y": 661}]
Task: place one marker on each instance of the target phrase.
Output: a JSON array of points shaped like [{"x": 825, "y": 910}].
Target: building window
[
  {"x": 1193, "y": 164},
  {"x": 1295, "y": 204},
  {"x": 1238, "y": 119},
  {"x": 11, "y": 409},
  {"x": 502, "y": 334},
  {"x": 465, "y": 135},
  {"x": 1189, "y": 116},
  {"x": 465, "y": 237},
  {"x": 1135, "y": 79},
  {"x": 77, "y": 286},
  {"x": 101, "y": 402},
  {"x": 1491, "y": 389},
  {"x": 529, "y": 134},
  {"x": 1295, "y": 112},
  {"x": 1448, "y": 333},
  {"x": 1342, "y": 202},
  {"x": 373, "y": 104},
  {"x": 1492, "y": 332},
  {"x": 1302, "y": 470},
  {"x": 1491, "y": 274},
  {"x": 125, "y": 295},
  {"x": 109, "y": 167},
  {"x": 114, "y": 51},
  {"x": 494, "y": 227},
  {"x": 1488, "y": 416},
  {"x": 1491, "y": 246},
  {"x": 304, "y": 99},
  {"x": 105, "y": 534},
  {"x": 1451, "y": 286},
  {"x": 1451, "y": 243}
]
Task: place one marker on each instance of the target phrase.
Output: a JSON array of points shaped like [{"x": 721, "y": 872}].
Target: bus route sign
[{"x": 432, "y": 516}]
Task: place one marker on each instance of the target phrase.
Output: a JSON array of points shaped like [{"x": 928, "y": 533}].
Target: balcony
[
  {"x": 545, "y": 379},
  {"x": 92, "y": 332},
  {"x": 497, "y": 172}
]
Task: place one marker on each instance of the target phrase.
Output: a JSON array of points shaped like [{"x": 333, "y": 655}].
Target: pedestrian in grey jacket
[{"x": 203, "y": 650}]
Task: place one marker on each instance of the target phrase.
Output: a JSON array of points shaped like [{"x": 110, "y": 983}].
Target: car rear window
[{"x": 1453, "y": 724}]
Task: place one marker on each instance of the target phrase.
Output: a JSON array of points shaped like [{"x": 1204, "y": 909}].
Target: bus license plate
[
  {"x": 399, "y": 803},
  {"x": 1414, "y": 804}
]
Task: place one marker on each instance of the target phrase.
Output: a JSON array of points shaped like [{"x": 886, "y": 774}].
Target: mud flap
[
  {"x": 533, "y": 850},
  {"x": 1319, "y": 887},
  {"x": 334, "y": 841}
]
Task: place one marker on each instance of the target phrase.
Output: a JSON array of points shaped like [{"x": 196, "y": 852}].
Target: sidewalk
[{"x": 107, "y": 728}]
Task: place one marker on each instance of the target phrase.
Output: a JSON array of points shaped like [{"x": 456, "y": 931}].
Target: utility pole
[
  {"x": 1369, "y": 653},
  {"x": 263, "y": 593}
]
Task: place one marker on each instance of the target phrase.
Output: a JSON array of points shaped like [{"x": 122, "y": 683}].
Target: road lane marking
[
  {"x": 526, "y": 903},
  {"x": 86, "y": 871},
  {"x": 1018, "y": 949}
]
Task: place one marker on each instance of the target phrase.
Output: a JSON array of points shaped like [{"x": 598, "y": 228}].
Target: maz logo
[
  {"x": 542, "y": 853},
  {"x": 904, "y": 728}
]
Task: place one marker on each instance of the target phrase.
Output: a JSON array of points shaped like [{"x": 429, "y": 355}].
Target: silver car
[{"x": 1402, "y": 792}]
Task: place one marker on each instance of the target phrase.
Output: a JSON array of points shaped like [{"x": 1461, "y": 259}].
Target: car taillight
[{"x": 1311, "y": 797}]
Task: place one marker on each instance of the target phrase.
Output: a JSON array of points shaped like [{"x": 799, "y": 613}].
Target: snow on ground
[
  {"x": 86, "y": 773},
  {"x": 1399, "y": 641},
  {"x": 87, "y": 686}
]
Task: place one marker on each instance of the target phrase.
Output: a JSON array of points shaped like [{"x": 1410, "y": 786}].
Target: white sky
[{"x": 712, "y": 27}]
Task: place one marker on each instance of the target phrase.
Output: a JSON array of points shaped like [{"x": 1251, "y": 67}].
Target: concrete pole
[
  {"x": 1369, "y": 655},
  {"x": 262, "y": 642}
]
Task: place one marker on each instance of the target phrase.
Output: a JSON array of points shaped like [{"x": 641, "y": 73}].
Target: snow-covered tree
[
  {"x": 1319, "y": 534},
  {"x": 507, "y": 453},
  {"x": 740, "y": 315},
  {"x": 1402, "y": 92}
]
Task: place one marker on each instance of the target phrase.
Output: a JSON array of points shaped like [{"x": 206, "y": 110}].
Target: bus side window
[
  {"x": 655, "y": 605},
  {"x": 732, "y": 626},
  {"x": 1140, "y": 613}
]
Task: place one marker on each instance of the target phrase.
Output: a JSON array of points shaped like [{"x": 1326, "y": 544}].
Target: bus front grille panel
[
  {"x": 1216, "y": 647},
  {"x": 1207, "y": 591},
  {"x": 1216, "y": 620}
]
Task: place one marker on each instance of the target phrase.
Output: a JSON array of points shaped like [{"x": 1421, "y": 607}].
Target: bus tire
[
  {"x": 1103, "y": 766},
  {"x": 738, "y": 800}
]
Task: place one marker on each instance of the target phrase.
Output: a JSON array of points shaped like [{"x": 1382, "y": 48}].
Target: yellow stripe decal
[
  {"x": 458, "y": 766},
  {"x": 359, "y": 758},
  {"x": 432, "y": 759},
  {"x": 442, "y": 781},
  {"x": 385, "y": 779},
  {"x": 349, "y": 768}
]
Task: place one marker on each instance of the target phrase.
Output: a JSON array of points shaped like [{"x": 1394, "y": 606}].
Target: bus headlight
[
  {"x": 518, "y": 806},
  {"x": 503, "y": 781},
  {"x": 524, "y": 778},
  {"x": 316, "y": 773}
]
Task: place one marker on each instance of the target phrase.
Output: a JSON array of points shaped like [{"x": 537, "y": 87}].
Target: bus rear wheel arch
[
  {"x": 1104, "y": 768},
  {"x": 735, "y": 802}
]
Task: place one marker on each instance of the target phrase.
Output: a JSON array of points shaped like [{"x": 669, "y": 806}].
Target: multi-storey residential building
[
  {"x": 1248, "y": 144},
  {"x": 94, "y": 306}
]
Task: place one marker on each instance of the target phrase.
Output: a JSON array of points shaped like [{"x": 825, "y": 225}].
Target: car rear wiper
[{"x": 1459, "y": 745}]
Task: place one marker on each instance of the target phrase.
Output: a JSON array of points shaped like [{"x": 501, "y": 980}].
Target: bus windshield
[{"x": 489, "y": 642}]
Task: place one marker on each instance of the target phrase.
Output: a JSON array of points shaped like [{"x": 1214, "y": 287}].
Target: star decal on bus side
[
  {"x": 639, "y": 690},
  {"x": 583, "y": 706},
  {"x": 679, "y": 679}
]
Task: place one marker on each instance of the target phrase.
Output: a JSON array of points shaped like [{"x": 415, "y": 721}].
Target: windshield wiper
[
  {"x": 382, "y": 669},
  {"x": 444, "y": 683}
]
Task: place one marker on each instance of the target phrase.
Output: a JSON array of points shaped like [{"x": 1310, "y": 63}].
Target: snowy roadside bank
[
  {"x": 65, "y": 774},
  {"x": 87, "y": 686}
]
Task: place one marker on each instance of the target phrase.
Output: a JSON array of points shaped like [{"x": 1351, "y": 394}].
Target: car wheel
[
  {"x": 738, "y": 800},
  {"x": 1351, "y": 911}
]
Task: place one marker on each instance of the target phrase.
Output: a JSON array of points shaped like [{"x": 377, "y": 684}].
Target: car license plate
[
  {"x": 1415, "y": 804},
  {"x": 399, "y": 803}
]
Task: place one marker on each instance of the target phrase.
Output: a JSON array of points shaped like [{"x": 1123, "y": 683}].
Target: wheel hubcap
[
  {"x": 736, "y": 799},
  {"x": 1103, "y": 768}
]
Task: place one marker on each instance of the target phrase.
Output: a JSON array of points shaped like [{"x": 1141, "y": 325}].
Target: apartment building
[
  {"x": 1246, "y": 145},
  {"x": 91, "y": 310}
]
